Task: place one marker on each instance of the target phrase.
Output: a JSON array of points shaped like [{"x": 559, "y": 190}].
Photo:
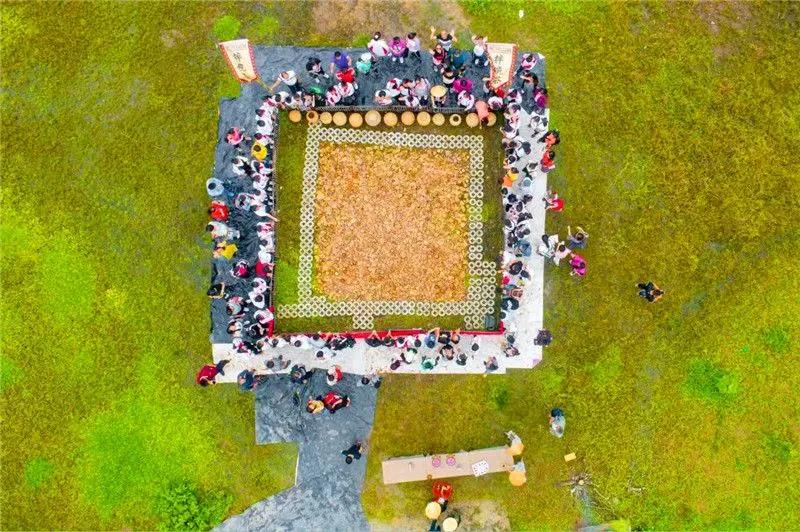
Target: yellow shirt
[
  {"x": 509, "y": 179},
  {"x": 228, "y": 250},
  {"x": 259, "y": 151}
]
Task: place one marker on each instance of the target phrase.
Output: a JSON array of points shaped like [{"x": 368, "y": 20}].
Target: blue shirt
[{"x": 342, "y": 62}]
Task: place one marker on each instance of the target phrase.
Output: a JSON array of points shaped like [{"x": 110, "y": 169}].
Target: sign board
[
  {"x": 502, "y": 63},
  {"x": 241, "y": 59}
]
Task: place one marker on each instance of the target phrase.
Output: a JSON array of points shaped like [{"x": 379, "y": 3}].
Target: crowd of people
[{"x": 403, "y": 74}]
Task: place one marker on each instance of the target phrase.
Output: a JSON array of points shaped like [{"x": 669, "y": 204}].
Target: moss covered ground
[{"x": 679, "y": 156}]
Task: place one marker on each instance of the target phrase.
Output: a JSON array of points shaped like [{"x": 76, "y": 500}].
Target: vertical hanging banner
[
  {"x": 241, "y": 59},
  {"x": 502, "y": 63}
]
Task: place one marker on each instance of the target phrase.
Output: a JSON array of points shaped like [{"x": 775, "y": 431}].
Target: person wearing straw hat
[
  {"x": 451, "y": 522},
  {"x": 433, "y": 510},
  {"x": 414, "y": 46},
  {"x": 515, "y": 445},
  {"x": 439, "y": 96},
  {"x": 517, "y": 476}
]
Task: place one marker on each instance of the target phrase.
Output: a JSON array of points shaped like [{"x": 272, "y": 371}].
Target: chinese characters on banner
[
  {"x": 502, "y": 62},
  {"x": 241, "y": 59}
]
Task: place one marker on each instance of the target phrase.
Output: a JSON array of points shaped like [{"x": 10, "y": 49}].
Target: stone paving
[{"x": 327, "y": 492}]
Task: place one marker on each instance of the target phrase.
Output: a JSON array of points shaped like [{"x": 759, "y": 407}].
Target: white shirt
[
  {"x": 345, "y": 89},
  {"x": 289, "y": 77},
  {"x": 413, "y": 45},
  {"x": 378, "y": 48},
  {"x": 466, "y": 100}
]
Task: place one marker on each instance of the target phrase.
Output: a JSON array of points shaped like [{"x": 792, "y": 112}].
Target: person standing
[
  {"x": 399, "y": 50},
  {"x": 557, "y": 422},
  {"x": 353, "y": 452},
  {"x": 289, "y": 78},
  {"x": 414, "y": 46},
  {"x": 378, "y": 47},
  {"x": 479, "y": 57},
  {"x": 340, "y": 61},
  {"x": 444, "y": 38}
]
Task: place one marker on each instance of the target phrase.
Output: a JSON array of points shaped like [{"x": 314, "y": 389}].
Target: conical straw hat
[
  {"x": 449, "y": 524},
  {"x": 517, "y": 478},
  {"x": 390, "y": 119},
  {"x": 355, "y": 119},
  {"x": 433, "y": 510},
  {"x": 373, "y": 118},
  {"x": 438, "y": 91}
]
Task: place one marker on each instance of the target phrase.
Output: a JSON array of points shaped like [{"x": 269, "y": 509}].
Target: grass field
[{"x": 679, "y": 155}]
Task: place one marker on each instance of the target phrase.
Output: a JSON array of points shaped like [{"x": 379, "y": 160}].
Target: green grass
[
  {"x": 679, "y": 156},
  {"x": 290, "y": 159}
]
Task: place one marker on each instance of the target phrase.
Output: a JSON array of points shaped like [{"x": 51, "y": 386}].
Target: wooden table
[{"x": 420, "y": 467}]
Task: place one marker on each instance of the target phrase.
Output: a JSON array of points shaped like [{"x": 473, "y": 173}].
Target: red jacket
[
  {"x": 209, "y": 371},
  {"x": 219, "y": 211}
]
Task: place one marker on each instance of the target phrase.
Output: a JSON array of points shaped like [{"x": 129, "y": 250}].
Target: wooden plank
[{"x": 420, "y": 467}]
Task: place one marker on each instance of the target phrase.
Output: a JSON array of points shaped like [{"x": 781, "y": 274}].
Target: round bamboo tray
[
  {"x": 295, "y": 116},
  {"x": 372, "y": 118},
  {"x": 473, "y": 120},
  {"x": 492, "y": 119},
  {"x": 326, "y": 118},
  {"x": 439, "y": 119},
  {"x": 390, "y": 119},
  {"x": 312, "y": 117},
  {"x": 407, "y": 118},
  {"x": 355, "y": 119},
  {"x": 455, "y": 119},
  {"x": 423, "y": 118},
  {"x": 339, "y": 118}
]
